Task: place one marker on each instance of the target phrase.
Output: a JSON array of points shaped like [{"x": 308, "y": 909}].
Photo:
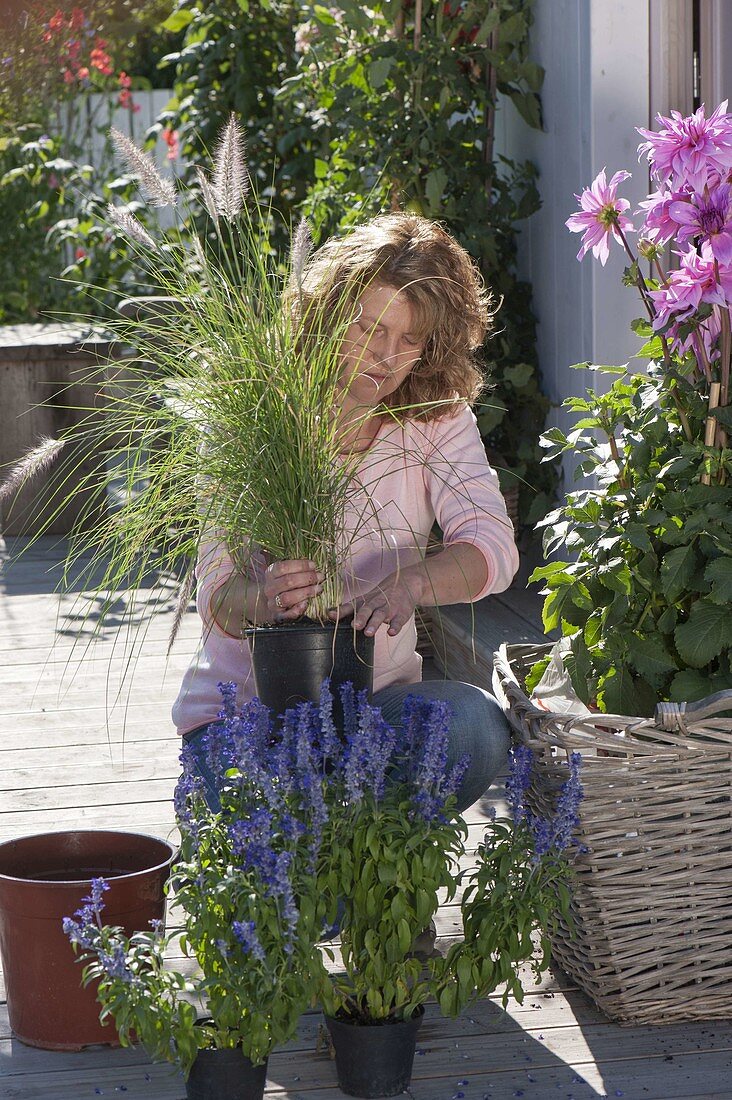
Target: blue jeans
[{"x": 477, "y": 727}]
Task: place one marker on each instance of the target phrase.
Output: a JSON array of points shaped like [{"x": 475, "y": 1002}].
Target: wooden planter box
[{"x": 51, "y": 376}]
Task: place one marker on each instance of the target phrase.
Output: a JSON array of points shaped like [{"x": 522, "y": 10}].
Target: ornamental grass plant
[
  {"x": 645, "y": 604},
  {"x": 222, "y": 424}
]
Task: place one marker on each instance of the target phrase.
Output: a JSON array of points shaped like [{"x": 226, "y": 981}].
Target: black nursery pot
[
  {"x": 225, "y": 1075},
  {"x": 374, "y": 1060},
  {"x": 291, "y": 660}
]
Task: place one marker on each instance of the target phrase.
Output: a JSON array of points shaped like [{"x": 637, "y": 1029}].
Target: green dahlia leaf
[
  {"x": 704, "y": 635},
  {"x": 615, "y": 575},
  {"x": 667, "y": 620},
  {"x": 618, "y": 693},
  {"x": 580, "y": 669},
  {"x": 552, "y": 611},
  {"x": 650, "y": 658},
  {"x": 677, "y": 569},
  {"x": 688, "y": 686},
  {"x": 719, "y": 574},
  {"x": 637, "y": 535}
]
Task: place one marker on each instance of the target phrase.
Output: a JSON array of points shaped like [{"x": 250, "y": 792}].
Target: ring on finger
[{"x": 278, "y": 601}]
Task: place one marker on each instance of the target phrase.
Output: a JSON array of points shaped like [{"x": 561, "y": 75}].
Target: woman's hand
[
  {"x": 392, "y": 601},
  {"x": 288, "y": 585},
  {"x": 454, "y": 575}
]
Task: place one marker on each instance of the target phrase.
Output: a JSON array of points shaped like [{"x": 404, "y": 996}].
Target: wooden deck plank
[
  {"x": 464, "y": 637},
  {"x": 444, "y": 1066},
  {"x": 68, "y": 758}
]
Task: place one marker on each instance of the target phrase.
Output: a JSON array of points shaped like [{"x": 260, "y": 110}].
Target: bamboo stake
[
  {"x": 710, "y": 430},
  {"x": 417, "y": 36},
  {"x": 396, "y": 187},
  {"x": 491, "y": 79},
  {"x": 417, "y": 85},
  {"x": 726, "y": 353}
]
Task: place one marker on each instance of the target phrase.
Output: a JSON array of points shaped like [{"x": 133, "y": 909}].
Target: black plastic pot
[
  {"x": 291, "y": 660},
  {"x": 225, "y": 1075},
  {"x": 374, "y": 1060}
]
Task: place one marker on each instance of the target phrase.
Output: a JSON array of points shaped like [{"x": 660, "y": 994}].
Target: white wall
[{"x": 596, "y": 90}]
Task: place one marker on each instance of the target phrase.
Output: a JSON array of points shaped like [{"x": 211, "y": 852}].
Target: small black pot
[
  {"x": 291, "y": 660},
  {"x": 225, "y": 1074},
  {"x": 374, "y": 1060}
]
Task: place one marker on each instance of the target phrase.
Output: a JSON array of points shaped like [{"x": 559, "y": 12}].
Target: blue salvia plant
[
  {"x": 395, "y": 842},
  {"x": 304, "y": 824},
  {"x": 514, "y": 894},
  {"x": 248, "y": 907}
]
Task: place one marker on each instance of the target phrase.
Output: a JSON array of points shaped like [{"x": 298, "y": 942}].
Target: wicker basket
[{"x": 651, "y": 935}]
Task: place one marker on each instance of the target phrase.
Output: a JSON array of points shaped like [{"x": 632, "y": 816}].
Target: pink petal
[
  {"x": 683, "y": 213},
  {"x": 601, "y": 250},
  {"x": 619, "y": 177},
  {"x": 722, "y": 247}
]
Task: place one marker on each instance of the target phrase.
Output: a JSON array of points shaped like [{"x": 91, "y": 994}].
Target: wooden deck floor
[{"x": 87, "y": 741}]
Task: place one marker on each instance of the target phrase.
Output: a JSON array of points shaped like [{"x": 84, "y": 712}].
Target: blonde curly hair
[{"x": 452, "y": 306}]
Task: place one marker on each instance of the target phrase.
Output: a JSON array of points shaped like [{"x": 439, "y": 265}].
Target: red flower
[
  {"x": 83, "y": 73},
  {"x": 124, "y": 80},
  {"x": 56, "y": 22},
  {"x": 170, "y": 137},
  {"x": 100, "y": 59},
  {"x": 80, "y": 253},
  {"x": 78, "y": 19},
  {"x": 124, "y": 99},
  {"x": 68, "y": 76}
]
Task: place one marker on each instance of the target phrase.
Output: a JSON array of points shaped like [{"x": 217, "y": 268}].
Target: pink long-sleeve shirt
[{"x": 413, "y": 473}]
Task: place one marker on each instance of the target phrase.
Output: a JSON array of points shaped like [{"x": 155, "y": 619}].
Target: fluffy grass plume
[
  {"x": 222, "y": 423},
  {"x": 158, "y": 190},
  {"x": 230, "y": 176},
  {"x": 130, "y": 225},
  {"x": 35, "y": 462}
]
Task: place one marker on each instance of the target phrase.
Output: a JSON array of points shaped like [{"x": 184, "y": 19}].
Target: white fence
[{"x": 87, "y": 122}]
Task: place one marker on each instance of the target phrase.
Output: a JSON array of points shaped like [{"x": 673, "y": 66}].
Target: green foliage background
[
  {"x": 376, "y": 111},
  {"x": 349, "y": 111},
  {"x": 54, "y": 250},
  {"x": 646, "y": 603}
]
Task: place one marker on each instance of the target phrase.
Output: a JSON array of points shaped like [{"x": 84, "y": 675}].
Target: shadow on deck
[{"x": 87, "y": 742}]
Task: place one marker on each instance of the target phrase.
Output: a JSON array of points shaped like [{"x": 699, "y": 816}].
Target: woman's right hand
[{"x": 288, "y": 585}]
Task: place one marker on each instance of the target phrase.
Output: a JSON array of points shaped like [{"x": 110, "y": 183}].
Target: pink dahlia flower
[
  {"x": 707, "y": 334},
  {"x": 695, "y": 281},
  {"x": 601, "y": 214},
  {"x": 707, "y": 218},
  {"x": 659, "y": 225},
  {"x": 687, "y": 150}
]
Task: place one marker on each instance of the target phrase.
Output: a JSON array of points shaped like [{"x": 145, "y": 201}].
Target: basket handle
[{"x": 677, "y": 716}]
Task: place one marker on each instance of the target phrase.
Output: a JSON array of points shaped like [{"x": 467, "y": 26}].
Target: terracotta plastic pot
[
  {"x": 291, "y": 660},
  {"x": 43, "y": 879},
  {"x": 374, "y": 1060}
]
